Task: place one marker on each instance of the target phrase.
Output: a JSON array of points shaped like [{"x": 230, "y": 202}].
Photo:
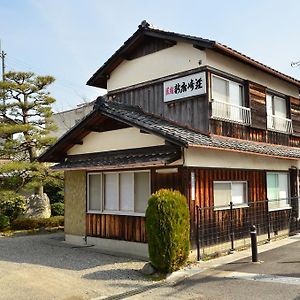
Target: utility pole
[{"x": 2, "y": 56}]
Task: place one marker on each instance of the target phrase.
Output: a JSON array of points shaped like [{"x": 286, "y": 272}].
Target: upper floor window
[
  {"x": 228, "y": 102},
  {"x": 277, "y": 117}
]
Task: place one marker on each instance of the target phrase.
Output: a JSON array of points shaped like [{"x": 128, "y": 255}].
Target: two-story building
[{"x": 186, "y": 113}]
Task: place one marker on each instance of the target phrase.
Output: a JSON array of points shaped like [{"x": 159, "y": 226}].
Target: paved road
[
  {"x": 45, "y": 267},
  {"x": 277, "y": 277}
]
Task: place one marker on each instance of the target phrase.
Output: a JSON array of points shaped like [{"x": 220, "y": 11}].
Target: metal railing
[
  {"x": 279, "y": 124},
  {"x": 226, "y": 228},
  {"x": 230, "y": 112}
]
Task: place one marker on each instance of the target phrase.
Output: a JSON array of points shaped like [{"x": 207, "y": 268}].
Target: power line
[{"x": 295, "y": 64}]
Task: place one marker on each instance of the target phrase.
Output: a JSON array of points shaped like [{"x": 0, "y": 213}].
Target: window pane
[
  {"x": 283, "y": 189},
  {"x": 95, "y": 192},
  {"x": 280, "y": 106},
  {"x": 111, "y": 191},
  {"x": 222, "y": 193},
  {"x": 219, "y": 89},
  {"x": 141, "y": 191},
  {"x": 126, "y": 191},
  {"x": 272, "y": 186},
  {"x": 238, "y": 192},
  {"x": 235, "y": 93}
]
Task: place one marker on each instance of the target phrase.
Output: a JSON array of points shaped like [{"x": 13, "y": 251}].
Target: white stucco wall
[
  {"x": 127, "y": 138},
  {"x": 179, "y": 58},
  {"x": 183, "y": 57},
  {"x": 201, "y": 157}
]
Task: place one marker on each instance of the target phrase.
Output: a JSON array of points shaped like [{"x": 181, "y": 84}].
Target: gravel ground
[{"x": 45, "y": 267}]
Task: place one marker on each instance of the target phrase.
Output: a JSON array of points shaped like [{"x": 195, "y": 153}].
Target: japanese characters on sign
[{"x": 183, "y": 87}]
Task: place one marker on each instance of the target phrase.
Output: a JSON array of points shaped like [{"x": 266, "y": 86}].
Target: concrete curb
[{"x": 202, "y": 266}]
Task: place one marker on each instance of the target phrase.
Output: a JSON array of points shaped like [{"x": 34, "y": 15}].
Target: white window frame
[
  {"x": 273, "y": 117},
  {"x": 225, "y": 207},
  {"x": 102, "y": 195},
  {"x": 288, "y": 205},
  {"x": 227, "y": 109},
  {"x": 227, "y": 96}
]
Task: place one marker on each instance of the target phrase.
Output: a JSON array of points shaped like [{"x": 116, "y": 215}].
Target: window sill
[
  {"x": 280, "y": 208},
  {"x": 234, "y": 207},
  {"x": 279, "y": 131},
  {"x": 214, "y": 117},
  {"x": 118, "y": 213}
]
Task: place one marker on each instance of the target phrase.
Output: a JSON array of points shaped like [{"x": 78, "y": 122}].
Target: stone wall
[{"x": 75, "y": 202}]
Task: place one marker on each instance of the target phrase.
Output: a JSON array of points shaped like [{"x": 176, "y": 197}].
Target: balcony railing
[
  {"x": 230, "y": 112},
  {"x": 279, "y": 124}
]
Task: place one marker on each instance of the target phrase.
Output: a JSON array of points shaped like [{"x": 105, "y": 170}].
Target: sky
[{"x": 71, "y": 39}]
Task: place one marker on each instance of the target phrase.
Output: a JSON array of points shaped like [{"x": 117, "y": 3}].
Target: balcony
[
  {"x": 230, "y": 112},
  {"x": 280, "y": 124}
]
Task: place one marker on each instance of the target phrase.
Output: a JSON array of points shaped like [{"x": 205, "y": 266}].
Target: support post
[
  {"x": 198, "y": 231},
  {"x": 254, "y": 243},
  {"x": 231, "y": 227}
]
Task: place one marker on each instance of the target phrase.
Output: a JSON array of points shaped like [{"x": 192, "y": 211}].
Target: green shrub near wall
[
  {"x": 168, "y": 230},
  {"x": 4, "y": 221},
  {"x": 57, "y": 209},
  {"x": 36, "y": 223}
]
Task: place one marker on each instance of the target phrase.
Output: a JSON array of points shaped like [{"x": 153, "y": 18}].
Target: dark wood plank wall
[
  {"x": 126, "y": 228},
  {"x": 189, "y": 111},
  {"x": 149, "y": 45},
  {"x": 215, "y": 224},
  {"x": 257, "y": 103},
  {"x": 295, "y": 114}
]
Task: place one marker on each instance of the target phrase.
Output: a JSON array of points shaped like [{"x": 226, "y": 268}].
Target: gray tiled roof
[
  {"x": 186, "y": 136},
  {"x": 142, "y": 156}
]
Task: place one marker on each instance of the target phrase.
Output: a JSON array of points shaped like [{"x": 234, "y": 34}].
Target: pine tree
[{"x": 25, "y": 122}]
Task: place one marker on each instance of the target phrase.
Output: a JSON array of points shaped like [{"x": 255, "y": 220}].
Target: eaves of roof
[
  {"x": 172, "y": 132},
  {"x": 99, "y": 79}
]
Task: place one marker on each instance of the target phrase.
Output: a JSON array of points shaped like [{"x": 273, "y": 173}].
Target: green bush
[
  {"x": 57, "y": 209},
  {"x": 4, "y": 221},
  {"x": 54, "y": 188},
  {"x": 11, "y": 204},
  {"x": 36, "y": 223},
  {"x": 168, "y": 230}
]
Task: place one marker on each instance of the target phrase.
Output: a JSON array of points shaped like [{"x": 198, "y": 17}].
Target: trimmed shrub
[
  {"x": 34, "y": 223},
  {"x": 11, "y": 204},
  {"x": 168, "y": 230},
  {"x": 4, "y": 221},
  {"x": 57, "y": 209}
]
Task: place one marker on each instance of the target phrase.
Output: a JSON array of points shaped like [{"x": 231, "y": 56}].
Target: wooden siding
[
  {"x": 257, "y": 101},
  {"x": 191, "y": 112},
  {"x": 149, "y": 45},
  {"x": 295, "y": 114},
  {"x": 218, "y": 220},
  {"x": 253, "y": 134},
  {"x": 126, "y": 228}
]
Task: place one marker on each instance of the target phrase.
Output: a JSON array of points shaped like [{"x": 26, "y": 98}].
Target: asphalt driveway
[{"x": 45, "y": 267}]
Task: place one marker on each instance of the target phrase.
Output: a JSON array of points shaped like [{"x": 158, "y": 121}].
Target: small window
[
  {"x": 228, "y": 101},
  {"x": 277, "y": 115},
  {"x": 228, "y": 91},
  {"x": 230, "y": 191},
  {"x": 278, "y": 190},
  {"x": 123, "y": 192}
]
